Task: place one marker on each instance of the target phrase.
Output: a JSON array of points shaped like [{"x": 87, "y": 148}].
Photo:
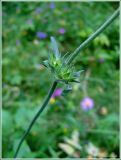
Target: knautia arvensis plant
[{"x": 63, "y": 70}]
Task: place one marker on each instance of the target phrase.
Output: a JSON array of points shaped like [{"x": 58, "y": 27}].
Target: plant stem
[
  {"x": 94, "y": 35},
  {"x": 75, "y": 53},
  {"x": 36, "y": 116}
]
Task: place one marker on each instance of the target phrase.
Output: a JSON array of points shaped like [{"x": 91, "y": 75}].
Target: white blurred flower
[
  {"x": 92, "y": 150},
  {"x": 67, "y": 148},
  {"x": 74, "y": 141},
  {"x": 71, "y": 146},
  {"x": 113, "y": 155},
  {"x": 36, "y": 42}
]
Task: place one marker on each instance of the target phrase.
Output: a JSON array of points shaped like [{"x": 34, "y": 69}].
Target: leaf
[
  {"x": 77, "y": 74},
  {"x": 67, "y": 90},
  {"x": 76, "y": 81},
  {"x": 45, "y": 63},
  {"x": 55, "y": 48}
]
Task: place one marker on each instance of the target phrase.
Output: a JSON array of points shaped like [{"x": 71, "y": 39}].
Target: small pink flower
[
  {"x": 61, "y": 30},
  {"x": 87, "y": 103},
  {"x": 57, "y": 93}
]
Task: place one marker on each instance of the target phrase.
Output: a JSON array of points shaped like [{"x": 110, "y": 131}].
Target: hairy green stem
[
  {"x": 36, "y": 116},
  {"x": 94, "y": 35}
]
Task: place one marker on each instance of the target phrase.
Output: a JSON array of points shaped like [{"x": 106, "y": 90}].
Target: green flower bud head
[{"x": 59, "y": 67}]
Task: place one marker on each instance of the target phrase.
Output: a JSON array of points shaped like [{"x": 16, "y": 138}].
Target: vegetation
[{"x": 83, "y": 123}]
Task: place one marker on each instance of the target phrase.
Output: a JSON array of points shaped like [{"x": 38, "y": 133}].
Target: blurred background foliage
[{"x": 64, "y": 129}]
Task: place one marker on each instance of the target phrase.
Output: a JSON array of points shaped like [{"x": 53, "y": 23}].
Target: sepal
[{"x": 55, "y": 48}]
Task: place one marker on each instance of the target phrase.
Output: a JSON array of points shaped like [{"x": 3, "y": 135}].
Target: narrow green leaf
[
  {"x": 77, "y": 74},
  {"x": 55, "y": 48},
  {"x": 45, "y": 63},
  {"x": 76, "y": 81},
  {"x": 67, "y": 90}
]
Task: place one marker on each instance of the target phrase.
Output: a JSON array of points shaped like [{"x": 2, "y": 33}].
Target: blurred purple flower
[
  {"x": 52, "y": 5},
  {"x": 41, "y": 35},
  {"x": 17, "y": 42},
  {"x": 57, "y": 93},
  {"x": 38, "y": 10},
  {"x": 101, "y": 60},
  {"x": 87, "y": 103},
  {"x": 61, "y": 30}
]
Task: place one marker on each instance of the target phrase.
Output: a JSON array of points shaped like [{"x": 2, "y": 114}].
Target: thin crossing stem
[
  {"x": 94, "y": 35},
  {"x": 36, "y": 116}
]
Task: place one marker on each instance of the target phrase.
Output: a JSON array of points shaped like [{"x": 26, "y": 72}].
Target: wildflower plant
[
  {"x": 63, "y": 70},
  {"x": 59, "y": 68}
]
